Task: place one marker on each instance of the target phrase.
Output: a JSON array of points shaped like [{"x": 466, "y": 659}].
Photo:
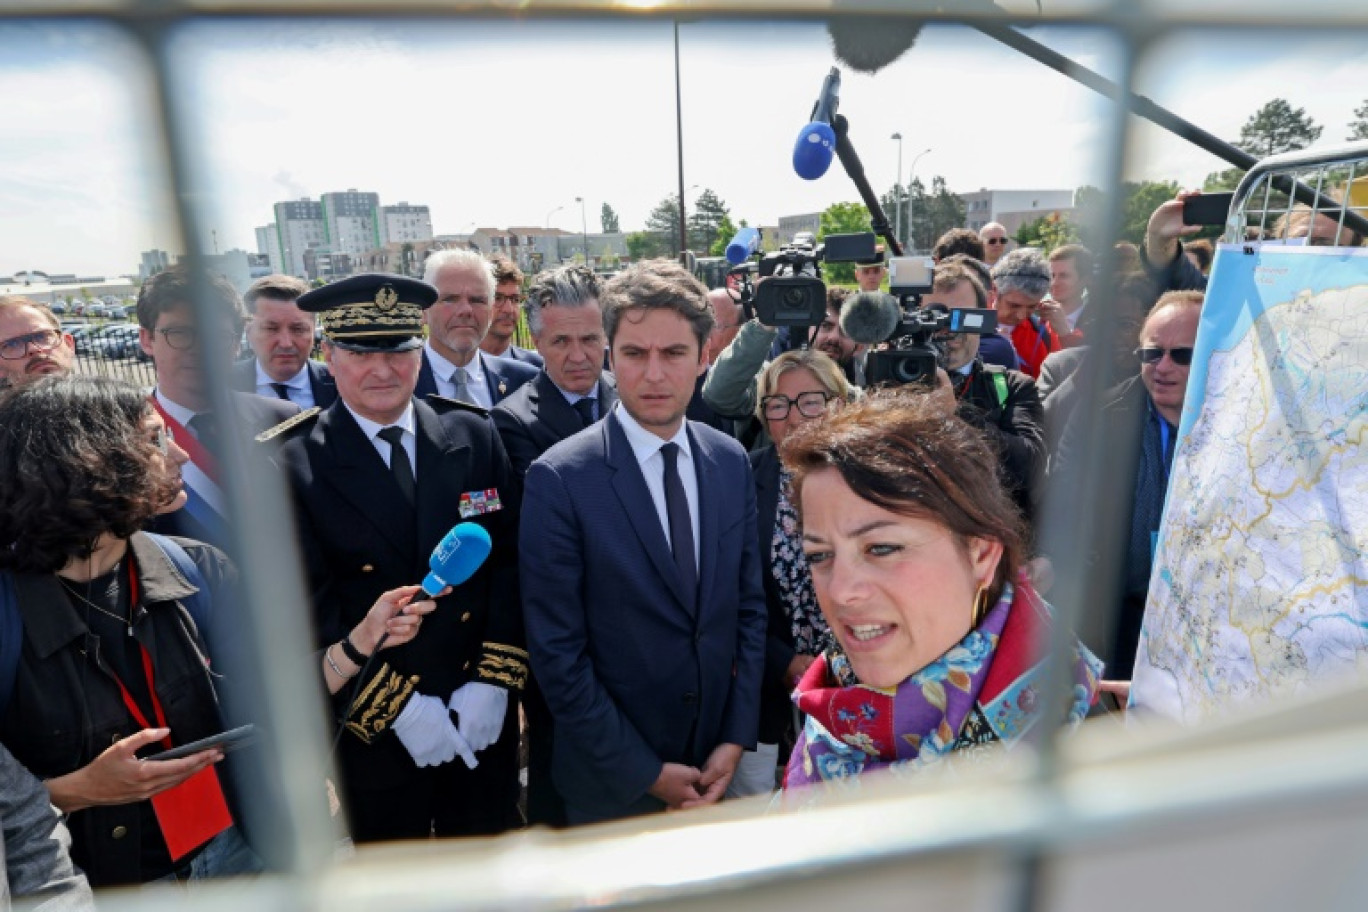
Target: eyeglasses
[
  {"x": 184, "y": 338},
  {"x": 995, "y": 240},
  {"x": 18, "y": 347},
  {"x": 181, "y": 338},
  {"x": 810, "y": 405},
  {"x": 507, "y": 299},
  {"x": 1181, "y": 356}
]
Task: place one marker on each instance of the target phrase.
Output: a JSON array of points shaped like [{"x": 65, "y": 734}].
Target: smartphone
[
  {"x": 1207, "y": 209},
  {"x": 224, "y": 741}
]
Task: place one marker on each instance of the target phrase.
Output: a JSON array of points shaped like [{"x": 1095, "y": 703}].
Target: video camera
[
  {"x": 793, "y": 293},
  {"x": 905, "y": 335}
]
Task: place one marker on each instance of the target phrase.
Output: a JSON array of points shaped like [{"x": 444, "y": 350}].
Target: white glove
[
  {"x": 481, "y": 708},
  {"x": 425, "y": 730}
]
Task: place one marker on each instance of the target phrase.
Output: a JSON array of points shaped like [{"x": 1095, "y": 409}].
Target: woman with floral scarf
[{"x": 915, "y": 551}]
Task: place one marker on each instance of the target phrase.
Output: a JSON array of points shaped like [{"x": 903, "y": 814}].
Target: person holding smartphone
[{"x": 114, "y": 655}]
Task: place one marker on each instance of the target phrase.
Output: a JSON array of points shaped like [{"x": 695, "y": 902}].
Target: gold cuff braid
[
  {"x": 503, "y": 666},
  {"x": 380, "y": 702}
]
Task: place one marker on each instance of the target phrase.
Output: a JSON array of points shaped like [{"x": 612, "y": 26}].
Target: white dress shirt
[
  {"x": 298, "y": 387},
  {"x": 646, "y": 447},
  {"x": 175, "y": 410},
  {"x": 409, "y": 440},
  {"x": 442, "y": 371}
]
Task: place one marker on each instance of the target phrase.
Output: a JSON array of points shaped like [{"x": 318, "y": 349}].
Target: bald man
[{"x": 995, "y": 242}]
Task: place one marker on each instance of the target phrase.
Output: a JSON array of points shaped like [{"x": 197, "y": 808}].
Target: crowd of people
[{"x": 719, "y": 565}]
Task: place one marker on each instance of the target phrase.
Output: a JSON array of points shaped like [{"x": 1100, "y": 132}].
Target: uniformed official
[{"x": 378, "y": 479}]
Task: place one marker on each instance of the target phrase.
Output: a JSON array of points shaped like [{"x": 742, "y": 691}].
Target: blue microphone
[
  {"x": 457, "y": 557},
  {"x": 816, "y": 143},
  {"x": 742, "y": 246}
]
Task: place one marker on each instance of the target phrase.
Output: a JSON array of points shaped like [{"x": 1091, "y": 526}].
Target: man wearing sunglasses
[
  {"x": 1154, "y": 400},
  {"x": 32, "y": 343},
  {"x": 995, "y": 241}
]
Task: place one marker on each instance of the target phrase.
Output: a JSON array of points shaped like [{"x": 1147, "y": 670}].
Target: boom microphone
[
  {"x": 867, "y": 44},
  {"x": 742, "y": 246},
  {"x": 870, "y": 317},
  {"x": 817, "y": 141}
]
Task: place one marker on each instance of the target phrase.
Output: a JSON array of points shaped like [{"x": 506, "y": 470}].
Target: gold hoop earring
[{"x": 980, "y": 606}]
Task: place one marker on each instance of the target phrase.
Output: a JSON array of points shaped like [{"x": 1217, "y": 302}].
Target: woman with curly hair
[
  {"x": 915, "y": 551},
  {"x": 112, "y": 663}
]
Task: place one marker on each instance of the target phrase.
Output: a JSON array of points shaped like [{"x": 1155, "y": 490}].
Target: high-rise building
[
  {"x": 403, "y": 222},
  {"x": 351, "y": 222},
  {"x": 153, "y": 262},
  {"x": 299, "y": 226},
  {"x": 268, "y": 245}
]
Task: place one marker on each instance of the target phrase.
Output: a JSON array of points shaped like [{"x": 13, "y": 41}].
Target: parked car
[{"x": 57, "y": 307}]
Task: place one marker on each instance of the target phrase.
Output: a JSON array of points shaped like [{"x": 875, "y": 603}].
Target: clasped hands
[
  {"x": 426, "y": 730},
  {"x": 682, "y": 787}
]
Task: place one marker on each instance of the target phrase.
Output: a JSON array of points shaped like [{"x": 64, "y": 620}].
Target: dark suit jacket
[
  {"x": 320, "y": 381},
  {"x": 503, "y": 376},
  {"x": 254, "y": 414},
  {"x": 359, "y": 539},
  {"x": 635, "y": 675},
  {"x": 525, "y": 355},
  {"x": 537, "y": 417},
  {"x": 775, "y": 713}
]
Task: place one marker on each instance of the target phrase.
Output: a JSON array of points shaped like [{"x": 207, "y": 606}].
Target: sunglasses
[
  {"x": 996, "y": 241},
  {"x": 1181, "y": 356}
]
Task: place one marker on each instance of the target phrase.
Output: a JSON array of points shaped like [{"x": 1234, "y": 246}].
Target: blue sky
[{"x": 502, "y": 123}]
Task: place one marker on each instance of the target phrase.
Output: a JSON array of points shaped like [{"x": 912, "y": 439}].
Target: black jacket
[
  {"x": 536, "y": 417},
  {"x": 776, "y": 715},
  {"x": 1015, "y": 425},
  {"x": 321, "y": 383},
  {"x": 66, "y": 708},
  {"x": 358, "y": 539},
  {"x": 504, "y": 376}
]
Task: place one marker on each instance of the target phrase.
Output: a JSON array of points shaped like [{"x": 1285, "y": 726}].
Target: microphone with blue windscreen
[
  {"x": 816, "y": 143},
  {"x": 742, "y": 246},
  {"x": 457, "y": 557}
]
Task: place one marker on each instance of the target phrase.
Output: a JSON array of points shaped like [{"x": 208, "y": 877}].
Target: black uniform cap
[{"x": 372, "y": 312}]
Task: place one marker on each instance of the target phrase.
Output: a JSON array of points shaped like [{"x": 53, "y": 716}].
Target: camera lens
[{"x": 794, "y": 297}]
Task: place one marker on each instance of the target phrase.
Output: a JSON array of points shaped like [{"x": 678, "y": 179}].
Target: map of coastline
[{"x": 1260, "y": 570}]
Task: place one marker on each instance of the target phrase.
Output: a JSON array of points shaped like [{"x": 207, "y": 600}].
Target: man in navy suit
[
  {"x": 640, "y": 570},
  {"x": 282, "y": 336},
  {"x": 570, "y": 394},
  {"x": 508, "y": 298},
  {"x": 453, "y": 364},
  {"x": 572, "y": 391}
]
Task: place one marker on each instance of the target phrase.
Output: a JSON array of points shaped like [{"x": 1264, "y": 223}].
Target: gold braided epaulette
[
  {"x": 504, "y": 666},
  {"x": 289, "y": 423},
  {"x": 380, "y": 702}
]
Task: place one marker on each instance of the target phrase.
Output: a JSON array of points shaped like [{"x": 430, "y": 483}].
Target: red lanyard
[{"x": 195, "y": 811}]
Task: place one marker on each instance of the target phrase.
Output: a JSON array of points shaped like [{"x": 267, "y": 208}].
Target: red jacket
[{"x": 1033, "y": 340}]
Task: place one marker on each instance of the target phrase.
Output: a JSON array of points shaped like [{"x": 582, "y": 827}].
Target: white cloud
[{"x": 504, "y": 123}]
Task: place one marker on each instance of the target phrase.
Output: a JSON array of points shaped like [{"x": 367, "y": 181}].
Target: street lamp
[
  {"x": 551, "y": 213},
  {"x": 911, "y": 171},
  {"x": 897, "y": 232},
  {"x": 584, "y": 227}
]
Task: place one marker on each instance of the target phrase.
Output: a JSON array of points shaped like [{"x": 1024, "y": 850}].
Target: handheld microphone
[
  {"x": 455, "y": 559},
  {"x": 816, "y": 143},
  {"x": 870, "y": 317},
  {"x": 457, "y": 556},
  {"x": 742, "y": 246}
]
